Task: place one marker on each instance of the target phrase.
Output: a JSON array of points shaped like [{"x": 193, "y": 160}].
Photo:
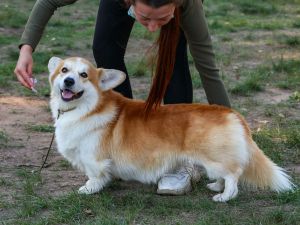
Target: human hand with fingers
[{"x": 23, "y": 69}]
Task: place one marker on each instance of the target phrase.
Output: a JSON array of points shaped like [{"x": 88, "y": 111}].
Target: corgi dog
[{"x": 106, "y": 135}]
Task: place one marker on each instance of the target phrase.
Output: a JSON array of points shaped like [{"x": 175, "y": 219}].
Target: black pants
[{"x": 112, "y": 33}]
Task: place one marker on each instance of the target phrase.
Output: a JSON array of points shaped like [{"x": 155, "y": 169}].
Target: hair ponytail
[{"x": 167, "y": 44}]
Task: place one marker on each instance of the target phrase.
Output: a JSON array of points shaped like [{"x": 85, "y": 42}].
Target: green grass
[
  {"x": 139, "y": 31},
  {"x": 292, "y": 41},
  {"x": 233, "y": 16},
  {"x": 261, "y": 8},
  {"x": 139, "y": 68},
  {"x": 250, "y": 85},
  {"x": 7, "y": 40},
  {"x": 283, "y": 74},
  {"x": 287, "y": 66},
  {"x": 6, "y": 74},
  {"x": 4, "y": 182},
  {"x": 287, "y": 141},
  {"x": 252, "y": 82},
  {"x": 46, "y": 128},
  {"x": 12, "y": 17},
  {"x": 64, "y": 164},
  {"x": 3, "y": 138},
  {"x": 140, "y": 205},
  {"x": 295, "y": 96},
  {"x": 288, "y": 70},
  {"x": 280, "y": 140},
  {"x": 296, "y": 24}
]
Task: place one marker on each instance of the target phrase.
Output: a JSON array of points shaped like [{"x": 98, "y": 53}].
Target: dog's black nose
[{"x": 69, "y": 81}]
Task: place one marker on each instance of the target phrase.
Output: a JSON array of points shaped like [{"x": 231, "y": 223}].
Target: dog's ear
[
  {"x": 110, "y": 78},
  {"x": 53, "y": 63}
]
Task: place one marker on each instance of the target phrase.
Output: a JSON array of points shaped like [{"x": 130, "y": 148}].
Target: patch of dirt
[
  {"x": 273, "y": 95},
  {"x": 27, "y": 149},
  {"x": 10, "y": 31},
  {"x": 294, "y": 168}
]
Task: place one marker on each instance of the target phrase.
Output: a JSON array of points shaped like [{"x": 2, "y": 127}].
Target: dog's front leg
[
  {"x": 97, "y": 179},
  {"x": 93, "y": 185}
]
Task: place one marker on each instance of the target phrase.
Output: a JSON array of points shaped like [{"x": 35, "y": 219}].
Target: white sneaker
[{"x": 178, "y": 183}]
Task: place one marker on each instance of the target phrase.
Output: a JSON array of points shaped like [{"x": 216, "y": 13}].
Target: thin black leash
[
  {"x": 45, "y": 160},
  {"x": 49, "y": 149}
]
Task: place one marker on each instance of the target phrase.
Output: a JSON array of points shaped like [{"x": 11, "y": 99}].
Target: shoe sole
[{"x": 183, "y": 191}]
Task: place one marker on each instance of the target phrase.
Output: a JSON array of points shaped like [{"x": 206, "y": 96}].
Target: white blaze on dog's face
[{"x": 75, "y": 79}]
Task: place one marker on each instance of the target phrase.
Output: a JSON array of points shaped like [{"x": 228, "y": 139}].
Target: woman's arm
[{"x": 194, "y": 25}]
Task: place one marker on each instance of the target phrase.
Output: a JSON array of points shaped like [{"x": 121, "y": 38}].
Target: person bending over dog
[{"x": 180, "y": 22}]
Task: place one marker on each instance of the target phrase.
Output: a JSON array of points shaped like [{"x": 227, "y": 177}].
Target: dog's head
[{"x": 74, "y": 80}]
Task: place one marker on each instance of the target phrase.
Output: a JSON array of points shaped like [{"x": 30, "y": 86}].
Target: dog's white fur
[{"x": 106, "y": 135}]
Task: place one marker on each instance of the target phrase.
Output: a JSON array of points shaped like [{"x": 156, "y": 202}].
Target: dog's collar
[{"x": 60, "y": 111}]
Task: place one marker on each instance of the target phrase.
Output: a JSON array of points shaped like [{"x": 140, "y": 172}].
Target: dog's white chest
[{"x": 78, "y": 142}]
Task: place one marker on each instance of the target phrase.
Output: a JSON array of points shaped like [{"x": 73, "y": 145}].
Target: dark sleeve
[
  {"x": 38, "y": 19},
  {"x": 194, "y": 25}
]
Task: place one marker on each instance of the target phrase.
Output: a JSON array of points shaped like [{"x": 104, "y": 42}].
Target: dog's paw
[
  {"x": 91, "y": 187},
  {"x": 220, "y": 198},
  {"x": 226, "y": 196},
  {"x": 86, "y": 190},
  {"x": 217, "y": 187}
]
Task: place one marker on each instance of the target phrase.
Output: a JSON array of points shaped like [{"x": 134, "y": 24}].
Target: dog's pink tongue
[{"x": 67, "y": 94}]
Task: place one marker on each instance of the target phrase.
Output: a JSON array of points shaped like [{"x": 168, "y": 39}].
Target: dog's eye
[
  {"x": 84, "y": 75},
  {"x": 64, "y": 70}
]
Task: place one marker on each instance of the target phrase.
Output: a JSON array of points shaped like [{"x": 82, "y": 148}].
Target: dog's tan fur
[{"x": 130, "y": 147}]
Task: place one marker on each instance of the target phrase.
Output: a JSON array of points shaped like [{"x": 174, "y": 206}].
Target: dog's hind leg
[
  {"x": 224, "y": 177},
  {"x": 217, "y": 186},
  {"x": 231, "y": 188}
]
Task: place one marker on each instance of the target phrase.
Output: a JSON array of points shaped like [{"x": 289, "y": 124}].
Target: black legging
[{"x": 112, "y": 31}]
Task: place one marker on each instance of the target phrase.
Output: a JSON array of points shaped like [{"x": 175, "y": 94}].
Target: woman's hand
[{"x": 23, "y": 69}]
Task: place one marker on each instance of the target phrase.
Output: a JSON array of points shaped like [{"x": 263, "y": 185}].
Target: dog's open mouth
[{"x": 68, "y": 95}]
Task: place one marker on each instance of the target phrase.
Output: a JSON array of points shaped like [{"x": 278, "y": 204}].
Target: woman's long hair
[
  {"x": 166, "y": 45},
  {"x": 165, "y": 60}
]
